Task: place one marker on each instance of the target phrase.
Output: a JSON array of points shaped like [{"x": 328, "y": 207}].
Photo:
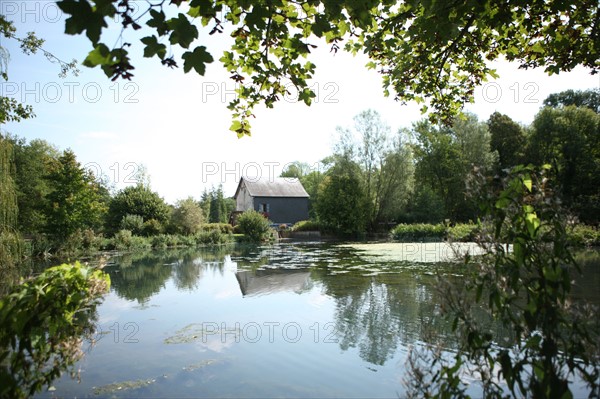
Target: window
[{"x": 264, "y": 207}]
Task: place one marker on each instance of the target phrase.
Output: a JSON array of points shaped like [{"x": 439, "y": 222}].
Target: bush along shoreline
[
  {"x": 580, "y": 235},
  {"x": 85, "y": 243},
  {"x": 88, "y": 243}
]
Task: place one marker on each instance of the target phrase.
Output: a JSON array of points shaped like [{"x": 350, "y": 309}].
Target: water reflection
[
  {"x": 263, "y": 282},
  {"x": 139, "y": 276},
  {"x": 378, "y": 305},
  {"x": 205, "y": 308}
]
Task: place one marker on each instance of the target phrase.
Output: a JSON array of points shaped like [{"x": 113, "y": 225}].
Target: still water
[{"x": 289, "y": 320}]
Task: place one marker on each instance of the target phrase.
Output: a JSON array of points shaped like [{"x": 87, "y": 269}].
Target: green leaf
[
  {"x": 100, "y": 55},
  {"x": 241, "y": 127},
  {"x": 527, "y": 182},
  {"x": 184, "y": 33},
  {"x": 197, "y": 60},
  {"x": 502, "y": 203},
  {"x": 306, "y": 95},
  {"x": 321, "y": 25},
  {"x": 235, "y": 126},
  {"x": 532, "y": 222},
  {"x": 158, "y": 21},
  {"x": 84, "y": 18},
  {"x": 153, "y": 47}
]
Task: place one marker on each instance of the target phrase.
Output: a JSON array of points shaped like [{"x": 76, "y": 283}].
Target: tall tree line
[{"x": 421, "y": 174}]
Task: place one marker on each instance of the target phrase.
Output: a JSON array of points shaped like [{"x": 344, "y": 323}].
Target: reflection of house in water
[{"x": 264, "y": 282}]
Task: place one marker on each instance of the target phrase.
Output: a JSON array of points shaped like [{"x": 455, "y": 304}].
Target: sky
[{"x": 176, "y": 125}]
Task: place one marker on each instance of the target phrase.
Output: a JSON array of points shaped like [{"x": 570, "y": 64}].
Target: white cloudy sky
[{"x": 177, "y": 124}]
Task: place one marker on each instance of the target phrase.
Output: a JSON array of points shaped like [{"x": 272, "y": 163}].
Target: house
[{"x": 282, "y": 199}]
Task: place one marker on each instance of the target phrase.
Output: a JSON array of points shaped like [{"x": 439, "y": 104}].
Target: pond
[{"x": 304, "y": 320}]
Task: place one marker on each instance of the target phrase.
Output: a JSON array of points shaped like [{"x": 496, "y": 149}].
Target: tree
[
  {"x": 395, "y": 182},
  {"x": 425, "y": 205},
  {"x": 439, "y": 165},
  {"x": 296, "y": 169},
  {"x": 34, "y": 161},
  {"x": 230, "y": 206},
  {"x": 11, "y": 244},
  {"x": 10, "y": 109},
  {"x": 205, "y": 202},
  {"x": 218, "y": 208},
  {"x": 74, "y": 201},
  {"x": 445, "y": 158},
  {"x": 137, "y": 200},
  {"x": 311, "y": 183},
  {"x": 9, "y": 209},
  {"x": 473, "y": 138},
  {"x": 507, "y": 139},
  {"x": 569, "y": 139},
  {"x": 425, "y": 50},
  {"x": 187, "y": 216},
  {"x": 372, "y": 146},
  {"x": 342, "y": 205},
  {"x": 385, "y": 164},
  {"x": 579, "y": 98}
]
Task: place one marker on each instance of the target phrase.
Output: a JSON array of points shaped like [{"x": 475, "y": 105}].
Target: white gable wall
[{"x": 244, "y": 199}]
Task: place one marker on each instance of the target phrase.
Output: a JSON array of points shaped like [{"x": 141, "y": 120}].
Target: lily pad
[
  {"x": 200, "y": 365},
  {"x": 194, "y": 332},
  {"x": 122, "y": 386}
]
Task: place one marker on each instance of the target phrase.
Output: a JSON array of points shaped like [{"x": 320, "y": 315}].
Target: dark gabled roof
[{"x": 273, "y": 187}]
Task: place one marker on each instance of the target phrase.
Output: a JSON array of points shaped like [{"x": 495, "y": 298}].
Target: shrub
[
  {"x": 70, "y": 245},
  {"x": 122, "y": 240},
  {"x": 84, "y": 240},
  {"x": 37, "y": 347},
  {"x": 306, "y": 225},
  {"x": 40, "y": 246},
  {"x": 254, "y": 226},
  {"x": 240, "y": 238},
  {"x": 173, "y": 240},
  {"x": 133, "y": 223},
  {"x": 419, "y": 232},
  {"x": 160, "y": 241},
  {"x": 212, "y": 237},
  {"x": 140, "y": 243},
  {"x": 152, "y": 227},
  {"x": 584, "y": 236},
  {"x": 463, "y": 232},
  {"x": 224, "y": 228},
  {"x": 187, "y": 241}
]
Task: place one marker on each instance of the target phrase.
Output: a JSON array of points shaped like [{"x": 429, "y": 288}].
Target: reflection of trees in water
[
  {"x": 190, "y": 267},
  {"x": 586, "y": 285},
  {"x": 139, "y": 276},
  {"x": 378, "y": 314}
]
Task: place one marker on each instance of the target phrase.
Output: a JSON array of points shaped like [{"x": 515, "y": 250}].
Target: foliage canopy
[{"x": 424, "y": 50}]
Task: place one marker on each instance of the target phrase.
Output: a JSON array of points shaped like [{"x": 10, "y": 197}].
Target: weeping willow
[{"x": 11, "y": 244}]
